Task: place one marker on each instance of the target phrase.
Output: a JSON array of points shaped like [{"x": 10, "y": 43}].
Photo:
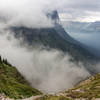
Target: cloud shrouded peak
[{"x": 32, "y": 13}]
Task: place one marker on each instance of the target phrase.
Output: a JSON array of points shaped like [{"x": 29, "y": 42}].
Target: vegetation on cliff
[{"x": 12, "y": 83}]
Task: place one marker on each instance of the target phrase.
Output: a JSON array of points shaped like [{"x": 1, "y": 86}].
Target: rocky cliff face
[{"x": 55, "y": 38}]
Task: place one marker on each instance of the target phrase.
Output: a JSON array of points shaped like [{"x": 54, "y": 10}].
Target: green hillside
[
  {"x": 89, "y": 89},
  {"x": 86, "y": 90},
  {"x": 13, "y": 84}
]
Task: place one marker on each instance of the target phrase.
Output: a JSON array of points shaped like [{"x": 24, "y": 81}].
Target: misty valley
[{"x": 46, "y": 53}]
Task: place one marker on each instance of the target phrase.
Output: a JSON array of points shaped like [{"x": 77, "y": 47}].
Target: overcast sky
[
  {"x": 81, "y": 10},
  {"x": 31, "y": 13}
]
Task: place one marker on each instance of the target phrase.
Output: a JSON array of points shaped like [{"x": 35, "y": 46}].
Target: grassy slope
[
  {"x": 13, "y": 84},
  {"x": 51, "y": 97},
  {"x": 88, "y": 89}
]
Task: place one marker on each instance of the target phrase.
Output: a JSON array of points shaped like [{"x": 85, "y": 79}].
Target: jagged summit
[{"x": 54, "y": 17}]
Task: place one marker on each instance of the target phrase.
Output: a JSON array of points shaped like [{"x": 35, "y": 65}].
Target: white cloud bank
[
  {"x": 28, "y": 13},
  {"x": 48, "y": 71}
]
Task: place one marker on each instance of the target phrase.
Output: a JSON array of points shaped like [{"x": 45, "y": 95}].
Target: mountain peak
[{"x": 54, "y": 16}]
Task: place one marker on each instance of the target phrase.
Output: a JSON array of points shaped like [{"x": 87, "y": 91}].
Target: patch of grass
[{"x": 50, "y": 97}]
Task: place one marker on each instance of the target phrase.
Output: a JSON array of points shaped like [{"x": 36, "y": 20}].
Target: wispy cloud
[{"x": 49, "y": 71}]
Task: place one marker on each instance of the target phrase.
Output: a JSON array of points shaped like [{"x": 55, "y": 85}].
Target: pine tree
[
  {"x": 0, "y": 59},
  {"x": 6, "y": 62}
]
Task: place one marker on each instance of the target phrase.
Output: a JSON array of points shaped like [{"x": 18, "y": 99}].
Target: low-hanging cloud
[
  {"x": 28, "y": 13},
  {"x": 49, "y": 71}
]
